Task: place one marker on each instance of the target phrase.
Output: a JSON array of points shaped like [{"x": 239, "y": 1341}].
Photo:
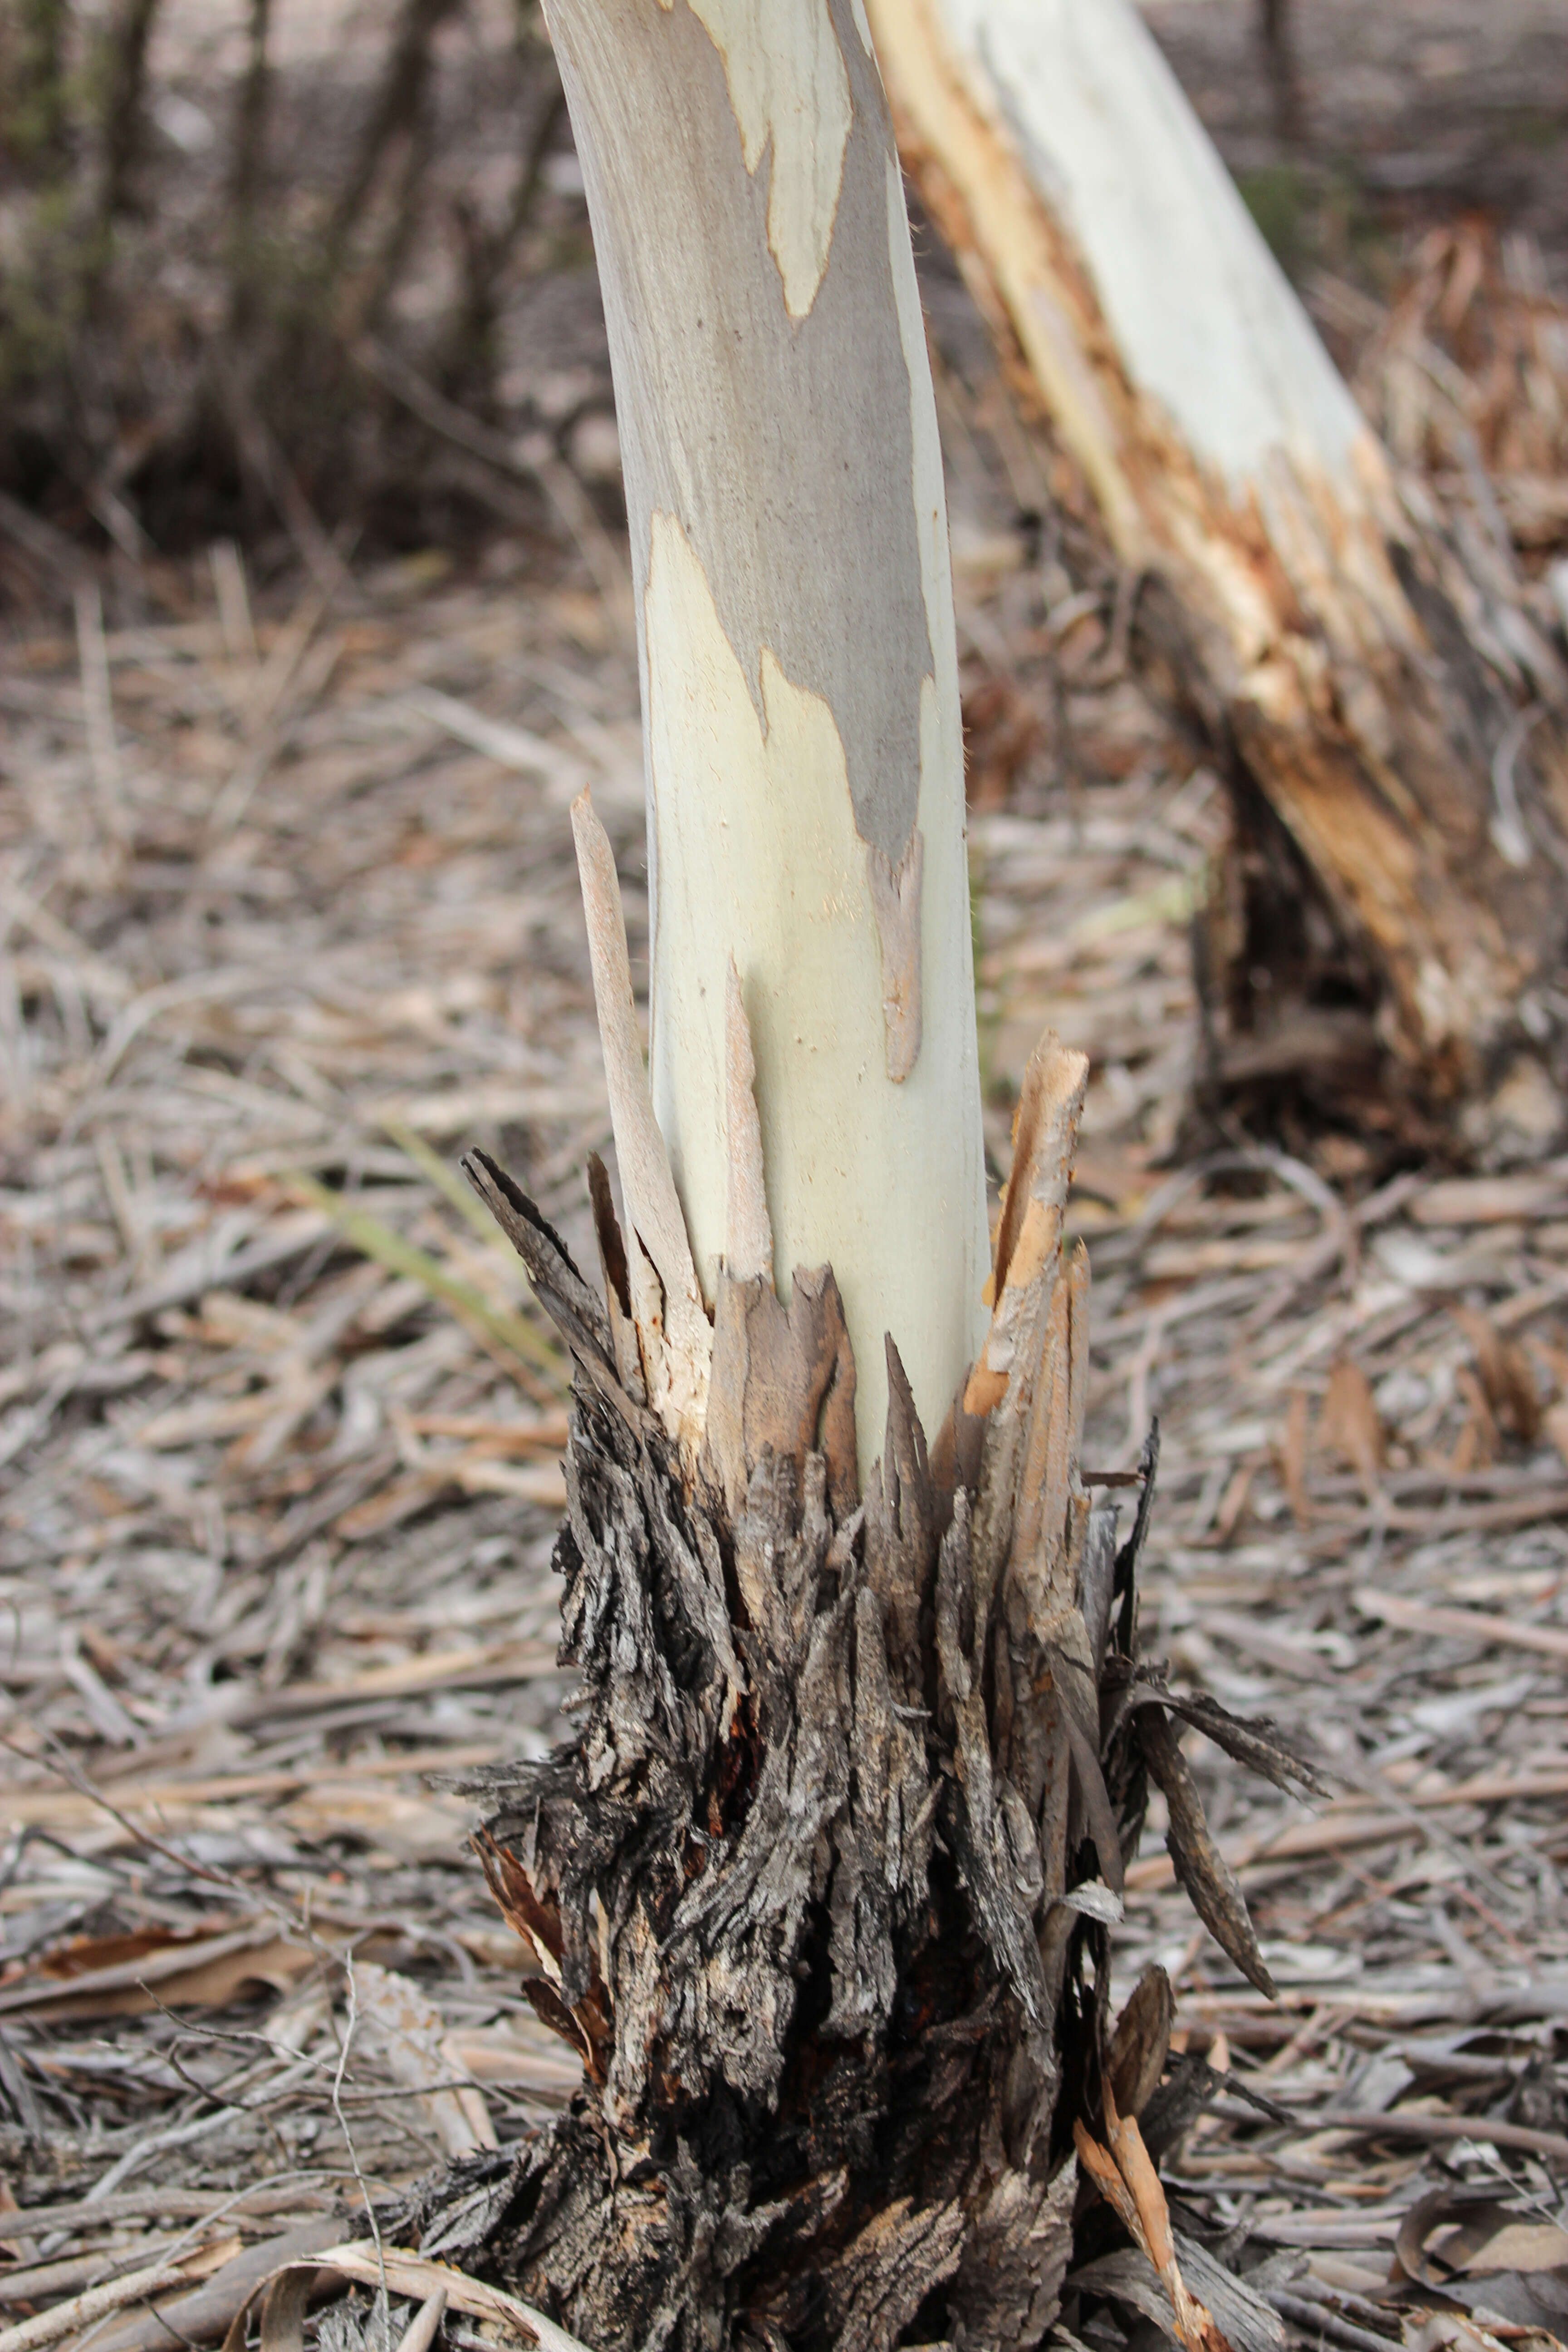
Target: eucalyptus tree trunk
[
  {"x": 1367, "y": 676},
  {"x": 819, "y": 1892}
]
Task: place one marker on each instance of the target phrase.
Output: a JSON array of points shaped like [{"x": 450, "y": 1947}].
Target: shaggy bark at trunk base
[{"x": 820, "y": 1892}]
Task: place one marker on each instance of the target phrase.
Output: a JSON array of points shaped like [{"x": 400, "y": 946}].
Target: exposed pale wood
[
  {"x": 1294, "y": 596},
  {"x": 802, "y": 728},
  {"x": 666, "y": 1303},
  {"x": 748, "y": 1229}
]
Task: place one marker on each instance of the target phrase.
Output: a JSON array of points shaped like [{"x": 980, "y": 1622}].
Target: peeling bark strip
[
  {"x": 804, "y": 748},
  {"x": 1365, "y": 670},
  {"x": 665, "y": 1303},
  {"x": 819, "y": 1891}
]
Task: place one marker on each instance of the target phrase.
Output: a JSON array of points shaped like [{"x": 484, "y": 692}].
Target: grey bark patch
[{"x": 785, "y": 448}]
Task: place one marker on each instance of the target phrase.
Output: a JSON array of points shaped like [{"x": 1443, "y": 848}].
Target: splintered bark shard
[
  {"x": 1199, "y": 1864},
  {"x": 667, "y": 1302}
]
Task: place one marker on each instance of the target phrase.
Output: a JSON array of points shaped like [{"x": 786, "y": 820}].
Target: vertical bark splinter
[{"x": 749, "y": 1233}]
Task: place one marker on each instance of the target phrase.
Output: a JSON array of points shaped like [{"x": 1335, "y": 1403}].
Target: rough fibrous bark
[
  {"x": 1394, "y": 904},
  {"x": 820, "y": 1890}
]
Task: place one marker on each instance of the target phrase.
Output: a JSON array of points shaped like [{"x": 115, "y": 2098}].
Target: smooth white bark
[{"x": 803, "y": 737}]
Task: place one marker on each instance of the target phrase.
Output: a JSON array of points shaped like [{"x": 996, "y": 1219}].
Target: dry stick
[
  {"x": 384, "y": 2305},
  {"x": 1335, "y": 1830},
  {"x": 122, "y": 124},
  {"x": 234, "y": 616},
  {"x": 172, "y": 2204},
  {"x": 1399, "y": 2125},
  {"x": 268, "y": 714},
  {"x": 174, "y": 2252},
  {"x": 96, "y": 2304},
  {"x": 393, "y": 109},
  {"x": 1467, "y": 1518},
  {"x": 36, "y": 2281},
  {"x": 45, "y": 1808},
  {"x": 1468, "y": 1624},
  {"x": 250, "y": 143},
  {"x": 344, "y": 1959},
  {"x": 1368, "y": 1784},
  {"x": 98, "y": 704},
  {"x": 205, "y": 2312}
]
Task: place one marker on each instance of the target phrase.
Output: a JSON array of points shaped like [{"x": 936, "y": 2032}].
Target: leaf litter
[{"x": 280, "y": 1429}]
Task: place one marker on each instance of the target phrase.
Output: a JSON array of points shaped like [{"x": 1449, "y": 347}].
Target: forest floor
[{"x": 288, "y": 920}]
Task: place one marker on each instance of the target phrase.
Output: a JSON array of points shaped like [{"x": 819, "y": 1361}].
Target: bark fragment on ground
[{"x": 820, "y": 1890}]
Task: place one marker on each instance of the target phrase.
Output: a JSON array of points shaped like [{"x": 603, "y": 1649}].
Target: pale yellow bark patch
[
  {"x": 749, "y": 1235},
  {"x": 789, "y": 90},
  {"x": 758, "y": 857}
]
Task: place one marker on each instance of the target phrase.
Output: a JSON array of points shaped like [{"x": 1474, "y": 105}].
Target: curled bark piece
[
  {"x": 618, "y": 1282},
  {"x": 1257, "y": 1744},
  {"x": 566, "y": 1298},
  {"x": 1126, "y": 2177},
  {"x": 420, "y": 2333},
  {"x": 283, "y": 2307},
  {"x": 1199, "y": 1864},
  {"x": 410, "y": 2275},
  {"x": 1028, "y": 1233},
  {"x": 1141, "y": 2041}
]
